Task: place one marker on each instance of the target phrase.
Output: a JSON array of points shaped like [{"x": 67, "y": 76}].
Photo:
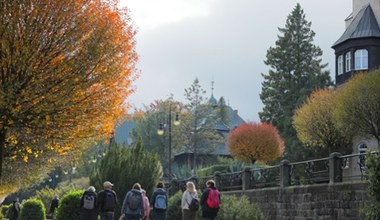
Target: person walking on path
[
  {"x": 133, "y": 205},
  {"x": 146, "y": 205},
  {"x": 210, "y": 201},
  {"x": 107, "y": 201},
  {"x": 15, "y": 209},
  {"x": 159, "y": 202},
  {"x": 88, "y": 204},
  {"x": 187, "y": 197},
  {"x": 53, "y": 205}
]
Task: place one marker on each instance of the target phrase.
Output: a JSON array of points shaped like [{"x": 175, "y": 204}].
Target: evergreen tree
[
  {"x": 296, "y": 70},
  {"x": 223, "y": 111},
  {"x": 197, "y": 127}
]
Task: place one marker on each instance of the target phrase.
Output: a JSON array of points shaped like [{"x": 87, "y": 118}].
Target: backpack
[
  {"x": 213, "y": 199},
  {"x": 160, "y": 202},
  {"x": 133, "y": 201},
  {"x": 109, "y": 201},
  {"x": 194, "y": 204},
  {"x": 88, "y": 201}
]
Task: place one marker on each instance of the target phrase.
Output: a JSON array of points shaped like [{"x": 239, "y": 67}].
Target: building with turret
[{"x": 358, "y": 49}]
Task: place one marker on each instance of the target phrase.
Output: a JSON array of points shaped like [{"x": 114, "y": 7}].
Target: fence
[{"x": 333, "y": 169}]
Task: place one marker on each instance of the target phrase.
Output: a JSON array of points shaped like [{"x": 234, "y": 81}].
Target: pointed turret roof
[{"x": 364, "y": 25}]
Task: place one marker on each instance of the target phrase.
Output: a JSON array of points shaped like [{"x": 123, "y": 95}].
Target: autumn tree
[
  {"x": 251, "y": 142},
  {"x": 66, "y": 70},
  {"x": 316, "y": 127},
  {"x": 358, "y": 106},
  {"x": 296, "y": 70}
]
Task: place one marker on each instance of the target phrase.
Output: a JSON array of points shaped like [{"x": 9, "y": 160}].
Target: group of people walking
[{"x": 136, "y": 205}]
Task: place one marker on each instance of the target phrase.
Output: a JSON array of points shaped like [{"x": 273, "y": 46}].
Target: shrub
[
  {"x": 174, "y": 206},
  {"x": 69, "y": 206},
  {"x": 209, "y": 171},
  {"x": 33, "y": 209},
  {"x": 8, "y": 213},
  {"x": 233, "y": 207},
  {"x": 4, "y": 210},
  {"x": 372, "y": 211}
]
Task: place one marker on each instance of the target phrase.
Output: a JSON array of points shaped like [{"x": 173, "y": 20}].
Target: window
[
  {"x": 348, "y": 61},
  {"x": 340, "y": 64},
  {"x": 361, "y": 59}
]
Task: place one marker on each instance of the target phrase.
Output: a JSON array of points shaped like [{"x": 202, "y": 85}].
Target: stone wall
[{"x": 340, "y": 201}]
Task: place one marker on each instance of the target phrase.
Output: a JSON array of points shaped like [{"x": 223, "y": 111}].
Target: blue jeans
[
  {"x": 106, "y": 216},
  {"x": 208, "y": 218}
]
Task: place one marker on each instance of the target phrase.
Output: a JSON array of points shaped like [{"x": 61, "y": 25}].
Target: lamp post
[{"x": 161, "y": 131}]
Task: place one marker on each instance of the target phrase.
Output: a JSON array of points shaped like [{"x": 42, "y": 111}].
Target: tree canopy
[
  {"x": 358, "y": 105},
  {"x": 296, "y": 70},
  {"x": 316, "y": 127},
  {"x": 251, "y": 142},
  {"x": 66, "y": 70}
]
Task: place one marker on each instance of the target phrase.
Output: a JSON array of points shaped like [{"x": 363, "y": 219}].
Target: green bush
[
  {"x": 233, "y": 207},
  {"x": 9, "y": 211},
  {"x": 174, "y": 206},
  {"x": 209, "y": 171},
  {"x": 69, "y": 206},
  {"x": 372, "y": 211},
  {"x": 4, "y": 210},
  {"x": 33, "y": 209}
]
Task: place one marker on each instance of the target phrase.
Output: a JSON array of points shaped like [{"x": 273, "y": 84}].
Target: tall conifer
[{"x": 296, "y": 70}]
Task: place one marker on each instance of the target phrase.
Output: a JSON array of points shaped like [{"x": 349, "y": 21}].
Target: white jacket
[{"x": 186, "y": 199}]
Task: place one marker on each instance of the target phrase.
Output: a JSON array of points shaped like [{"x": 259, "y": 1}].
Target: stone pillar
[
  {"x": 246, "y": 178},
  {"x": 285, "y": 177},
  {"x": 335, "y": 168}
]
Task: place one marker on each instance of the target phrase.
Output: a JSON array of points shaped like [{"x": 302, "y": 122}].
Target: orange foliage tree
[
  {"x": 66, "y": 70},
  {"x": 251, "y": 142}
]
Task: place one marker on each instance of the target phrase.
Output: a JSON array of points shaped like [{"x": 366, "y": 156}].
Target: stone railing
[{"x": 333, "y": 169}]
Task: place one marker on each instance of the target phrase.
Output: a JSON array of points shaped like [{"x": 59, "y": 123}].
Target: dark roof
[
  {"x": 364, "y": 25},
  {"x": 212, "y": 101}
]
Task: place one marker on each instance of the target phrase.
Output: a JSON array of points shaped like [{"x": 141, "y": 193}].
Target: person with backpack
[
  {"x": 146, "y": 205},
  {"x": 133, "y": 205},
  {"x": 53, "y": 206},
  {"x": 88, "y": 205},
  {"x": 159, "y": 202},
  {"x": 15, "y": 209},
  {"x": 107, "y": 201},
  {"x": 210, "y": 201},
  {"x": 189, "y": 202}
]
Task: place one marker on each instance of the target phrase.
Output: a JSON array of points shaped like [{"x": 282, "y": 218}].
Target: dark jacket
[
  {"x": 125, "y": 209},
  {"x": 101, "y": 200},
  {"x": 15, "y": 210},
  {"x": 54, "y": 204},
  {"x": 159, "y": 191},
  {"x": 206, "y": 210},
  {"x": 89, "y": 214}
]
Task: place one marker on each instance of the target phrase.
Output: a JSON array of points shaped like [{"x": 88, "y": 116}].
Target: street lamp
[{"x": 161, "y": 131}]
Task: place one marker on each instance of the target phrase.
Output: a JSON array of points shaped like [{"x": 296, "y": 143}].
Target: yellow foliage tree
[
  {"x": 358, "y": 105},
  {"x": 66, "y": 70},
  {"x": 315, "y": 124}
]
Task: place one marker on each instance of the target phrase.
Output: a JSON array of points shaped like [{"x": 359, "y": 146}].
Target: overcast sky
[{"x": 224, "y": 41}]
